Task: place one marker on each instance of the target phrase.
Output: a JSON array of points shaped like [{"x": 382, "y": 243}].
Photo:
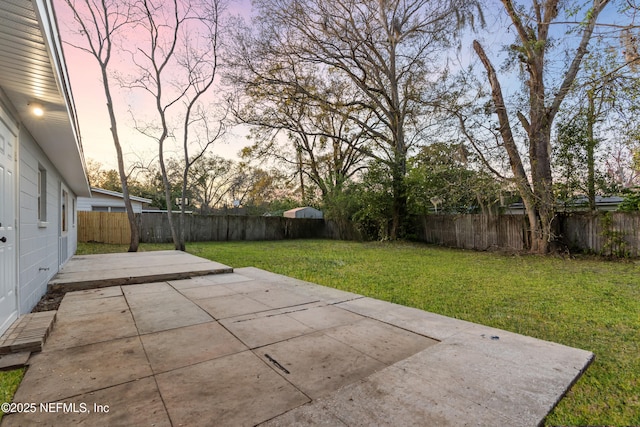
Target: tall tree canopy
[{"x": 385, "y": 55}]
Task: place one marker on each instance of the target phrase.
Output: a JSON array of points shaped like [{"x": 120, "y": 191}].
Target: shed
[{"x": 304, "y": 212}]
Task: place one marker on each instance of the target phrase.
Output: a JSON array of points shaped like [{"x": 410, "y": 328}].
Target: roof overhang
[
  {"x": 32, "y": 70},
  {"x": 119, "y": 195}
]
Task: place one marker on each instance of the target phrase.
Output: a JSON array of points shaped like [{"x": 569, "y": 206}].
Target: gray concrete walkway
[{"x": 256, "y": 348}]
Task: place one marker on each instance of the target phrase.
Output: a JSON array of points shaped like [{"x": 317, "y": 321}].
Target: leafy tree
[
  {"x": 570, "y": 159},
  {"x": 598, "y": 127},
  {"x": 631, "y": 202},
  {"x": 105, "y": 179},
  {"x": 607, "y": 93},
  {"x": 372, "y": 199},
  {"x": 441, "y": 179},
  {"x": 577, "y": 170}
]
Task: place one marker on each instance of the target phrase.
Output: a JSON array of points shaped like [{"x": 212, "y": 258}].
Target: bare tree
[
  {"x": 532, "y": 25},
  {"x": 101, "y": 22},
  {"x": 321, "y": 145},
  {"x": 391, "y": 52},
  {"x": 254, "y": 187},
  {"x": 177, "y": 67},
  {"x": 210, "y": 181}
]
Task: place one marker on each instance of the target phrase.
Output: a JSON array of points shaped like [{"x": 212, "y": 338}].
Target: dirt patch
[{"x": 49, "y": 301}]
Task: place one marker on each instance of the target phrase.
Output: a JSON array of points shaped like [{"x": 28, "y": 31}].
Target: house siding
[
  {"x": 41, "y": 250},
  {"x": 103, "y": 200}
]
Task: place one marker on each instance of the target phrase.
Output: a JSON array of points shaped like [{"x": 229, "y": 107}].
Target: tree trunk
[
  {"x": 167, "y": 195},
  {"x": 517, "y": 168},
  {"x": 399, "y": 212},
  {"x": 591, "y": 145},
  {"x": 182, "y": 238},
  {"x": 133, "y": 226},
  {"x": 539, "y": 137}
]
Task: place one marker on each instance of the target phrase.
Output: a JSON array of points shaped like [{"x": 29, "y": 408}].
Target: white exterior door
[{"x": 8, "y": 283}]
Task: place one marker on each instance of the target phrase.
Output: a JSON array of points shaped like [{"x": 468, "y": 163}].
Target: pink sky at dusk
[{"x": 90, "y": 102}]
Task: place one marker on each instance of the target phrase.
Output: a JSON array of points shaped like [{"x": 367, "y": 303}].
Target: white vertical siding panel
[{"x": 39, "y": 246}]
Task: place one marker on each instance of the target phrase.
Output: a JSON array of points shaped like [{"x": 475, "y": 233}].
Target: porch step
[{"x": 28, "y": 333}]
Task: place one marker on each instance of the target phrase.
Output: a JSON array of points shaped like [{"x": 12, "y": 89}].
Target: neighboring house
[
  {"x": 579, "y": 204},
  {"x": 304, "y": 212},
  {"x": 109, "y": 201},
  {"x": 41, "y": 162}
]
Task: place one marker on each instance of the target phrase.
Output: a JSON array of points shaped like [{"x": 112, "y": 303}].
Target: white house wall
[{"x": 40, "y": 253}]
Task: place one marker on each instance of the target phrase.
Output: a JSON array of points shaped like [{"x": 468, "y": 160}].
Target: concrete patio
[{"x": 251, "y": 347}]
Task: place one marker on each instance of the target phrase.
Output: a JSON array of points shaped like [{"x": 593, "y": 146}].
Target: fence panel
[
  {"x": 154, "y": 228},
  {"x": 104, "y": 227},
  {"x": 480, "y": 232},
  {"x": 613, "y": 233}
]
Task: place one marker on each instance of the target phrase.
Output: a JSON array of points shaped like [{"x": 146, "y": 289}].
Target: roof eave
[{"x": 32, "y": 69}]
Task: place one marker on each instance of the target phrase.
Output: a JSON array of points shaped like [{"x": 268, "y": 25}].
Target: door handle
[{"x": 3, "y": 239}]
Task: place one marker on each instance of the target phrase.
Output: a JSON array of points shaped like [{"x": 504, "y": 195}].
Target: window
[
  {"x": 108, "y": 209},
  {"x": 42, "y": 194},
  {"x": 63, "y": 213}
]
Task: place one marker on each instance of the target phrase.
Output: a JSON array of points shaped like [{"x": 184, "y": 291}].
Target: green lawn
[
  {"x": 9, "y": 382},
  {"x": 585, "y": 303}
]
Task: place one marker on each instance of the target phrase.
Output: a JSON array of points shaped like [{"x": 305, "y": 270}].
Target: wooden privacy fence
[
  {"x": 111, "y": 227},
  {"x": 605, "y": 234},
  {"x": 479, "y": 232},
  {"x": 103, "y": 227},
  {"x": 611, "y": 233},
  {"x": 154, "y": 228}
]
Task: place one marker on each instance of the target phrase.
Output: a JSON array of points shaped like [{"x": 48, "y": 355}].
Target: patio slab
[
  {"x": 256, "y": 348},
  {"x": 177, "y": 348},
  {"x": 61, "y": 374},
  {"x": 263, "y": 330},
  {"x": 73, "y": 331},
  {"x": 325, "y": 317},
  {"x": 235, "y": 390},
  {"x": 318, "y": 364},
  {"x": 391, "y": 344},
  {"x": 141, "y": 398},
  {"x": 81, "y": 306},
  {"x": 94, "y": 271},
  {"x": 231, "y": 305}
]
